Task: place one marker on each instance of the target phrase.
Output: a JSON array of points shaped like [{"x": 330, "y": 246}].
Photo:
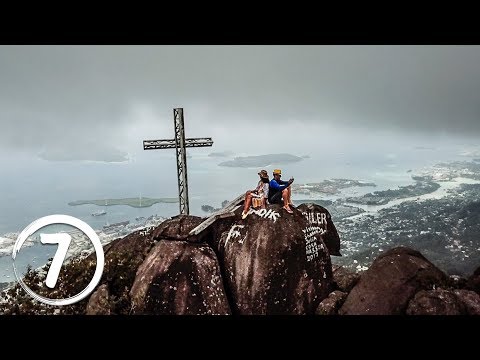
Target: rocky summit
[
  {"x": 403, "y": 282},
  {"x": 274, "y": 262},
  {"x": 271, "y": 262}
]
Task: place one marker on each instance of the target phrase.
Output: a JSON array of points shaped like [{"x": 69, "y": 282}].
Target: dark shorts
[{"x": 276, "y": 199}]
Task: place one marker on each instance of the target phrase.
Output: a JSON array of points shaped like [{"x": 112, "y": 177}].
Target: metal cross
[{"x": 180, "y": 144}]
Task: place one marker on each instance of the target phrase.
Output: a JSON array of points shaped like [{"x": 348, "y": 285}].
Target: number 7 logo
[{"x": 63, "y": 240}]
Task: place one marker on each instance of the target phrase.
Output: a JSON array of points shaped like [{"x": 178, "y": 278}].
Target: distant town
[
  {"x": 444, "y": 227},
  {"x": 81, "y": 244},
  {"x": 439, "y": 215},
  {"x": 383, "y": 197},
  {"x": 333, "y": 186}
]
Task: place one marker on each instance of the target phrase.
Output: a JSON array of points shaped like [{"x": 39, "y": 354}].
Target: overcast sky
[{"x": 56, "y": 96}]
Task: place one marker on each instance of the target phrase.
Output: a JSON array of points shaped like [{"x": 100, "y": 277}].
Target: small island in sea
[
  {"x": 139, "y": 202},
  {"x": 222, "y": 154},
  {"x": 383, "y": 197},
  {"x": 330, "y": 187},
  {"x": 261, "y": 160},
  {"x": 211, "y": 209}
]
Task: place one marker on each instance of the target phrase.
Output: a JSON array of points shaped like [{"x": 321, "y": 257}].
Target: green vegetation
[
  {"x": 329, "y": 186},
  {"x": 133, "y": 202},
  {"x": 73, "y": 277},
  {"x": 119, "y": 273},
  {"x": 447, "y": 229},
  {"x": 383, "y": 197}
]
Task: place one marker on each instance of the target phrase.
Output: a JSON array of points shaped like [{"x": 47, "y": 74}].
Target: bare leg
[
  {"x": 289, "y": 202},
  {"x": 286, "y": 201},
  {"x": 248, "y": 202}
]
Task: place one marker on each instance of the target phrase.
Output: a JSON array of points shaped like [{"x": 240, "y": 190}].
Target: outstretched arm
[{"x": 275, "y": 185}]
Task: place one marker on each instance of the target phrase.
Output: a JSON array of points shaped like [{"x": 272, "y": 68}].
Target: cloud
[{"x": 53, "y": 96}]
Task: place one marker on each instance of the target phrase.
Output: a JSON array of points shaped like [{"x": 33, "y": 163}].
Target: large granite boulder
[
  {"x": 122, "y": 258},
  {"x": 274, "y": 262},
  {"x": 444, "y": 302},
  {"x": 177, "y": 228},
  {"x": 270, "y": 263},
  {"x": 435, "y": 302},
  {"x": 470, "y": 300},
  {"x": 179, "y": 278},
  {"x": 332, "y": 303},
  {"x": 99, "y": 302},
  {"x": 320, "y": 220},
  {"x": 345, "y": 279},
  {"x": 391, "y": 282},
  {"x": 474, "y": 281}
]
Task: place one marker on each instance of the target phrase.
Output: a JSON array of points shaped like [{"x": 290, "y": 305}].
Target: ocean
[{"x": 33, "y": 188}]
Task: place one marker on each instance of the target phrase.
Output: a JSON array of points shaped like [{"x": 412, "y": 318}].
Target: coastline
[
  {"x": 132, "y": 202},
  {"x": 354, "y": 240}
]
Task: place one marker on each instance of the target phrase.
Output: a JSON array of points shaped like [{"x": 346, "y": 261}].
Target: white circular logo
[{"x": 63, "y": 241}]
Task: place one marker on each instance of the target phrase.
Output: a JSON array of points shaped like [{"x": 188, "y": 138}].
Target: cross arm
[
  {"x": 158, "y": 144},
  {"x": 170, "y": 143},
  {"x": 198, "y": 142}
]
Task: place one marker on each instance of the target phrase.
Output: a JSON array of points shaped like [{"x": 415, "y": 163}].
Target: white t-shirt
[{"x": 262, "y": 189}]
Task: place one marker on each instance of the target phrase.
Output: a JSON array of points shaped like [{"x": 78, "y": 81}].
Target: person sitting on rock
[
  {"x": 258, "y": 196},
  {"x": 280, "y": 191}
]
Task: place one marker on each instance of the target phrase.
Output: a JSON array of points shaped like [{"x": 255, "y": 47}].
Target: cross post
[{"x": 180, "y": 143}]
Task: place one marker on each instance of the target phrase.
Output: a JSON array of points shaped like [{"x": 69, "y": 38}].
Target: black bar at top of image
[{"x": 247, "y": 36}]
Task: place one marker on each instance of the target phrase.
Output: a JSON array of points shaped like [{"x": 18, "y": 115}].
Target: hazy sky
[{"x": 58, "y": 96}]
